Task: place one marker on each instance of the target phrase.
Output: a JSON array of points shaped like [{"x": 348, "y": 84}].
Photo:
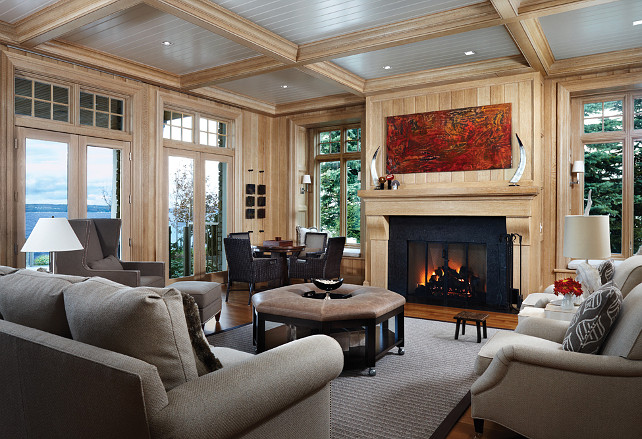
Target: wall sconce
[
  {"x": 306, "y": 180},
  {"x": 578, "y": 168}
]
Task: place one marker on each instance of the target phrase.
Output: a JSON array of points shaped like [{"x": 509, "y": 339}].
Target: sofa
[
  {"x": 532, "y": 385},
  {"x": 87, "y": 357}
]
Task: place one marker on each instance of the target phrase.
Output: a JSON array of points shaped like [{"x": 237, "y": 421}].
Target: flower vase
[{"x": 568, "y": 301}]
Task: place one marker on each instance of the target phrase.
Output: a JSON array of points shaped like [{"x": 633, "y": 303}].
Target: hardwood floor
[{"x": 237, "y": 312}]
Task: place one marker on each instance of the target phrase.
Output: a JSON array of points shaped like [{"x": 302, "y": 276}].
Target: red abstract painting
[{"x": 464, "y": 139}]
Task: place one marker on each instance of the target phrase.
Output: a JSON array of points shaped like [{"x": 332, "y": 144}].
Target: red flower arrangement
[{"x": 567, "y": 286}]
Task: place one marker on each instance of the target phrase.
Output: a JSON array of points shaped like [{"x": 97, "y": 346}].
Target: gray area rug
[{"x": 410, "y": 396}]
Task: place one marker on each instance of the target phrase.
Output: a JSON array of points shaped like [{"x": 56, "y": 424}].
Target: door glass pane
[
  {"x": 330, "y": 187},
  {"x": 103, "y": 182},
  {"x": 215, "y": 185},
  {"x": 181, "y": 220},
  {"x": 353, "y": 225},
  {"x": 637, "y": 195},
  {"x": 45, "y": 187},
  {"x": 604, "y": 176}
]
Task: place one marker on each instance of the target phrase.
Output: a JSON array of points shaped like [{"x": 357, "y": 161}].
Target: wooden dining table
[{"x": 282, "y": 251}]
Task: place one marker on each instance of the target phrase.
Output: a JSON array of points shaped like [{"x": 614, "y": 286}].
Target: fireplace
[{"x": 450, "y": 260}]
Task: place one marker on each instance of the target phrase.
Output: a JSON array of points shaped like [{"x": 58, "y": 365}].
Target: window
[
  {"x": 338, "y": 163},
  {"x": 40, "y": 99},
  {"x": 178, "y": 125},
  {"x": 611, "y": 140},
  {"x": 101, "y": 111}
]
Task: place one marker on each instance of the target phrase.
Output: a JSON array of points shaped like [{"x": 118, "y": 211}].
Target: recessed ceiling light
[
  {"x": 635, "y": 23},
  {"x": 387, "y": 67},
  {"x": 284, "y": 86},
  {"x": 469, "y": 52},
  {"x": 167, "y": 43}
]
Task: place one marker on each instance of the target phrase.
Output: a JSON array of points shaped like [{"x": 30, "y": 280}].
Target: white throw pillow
[{"x": 301, "y": 232}]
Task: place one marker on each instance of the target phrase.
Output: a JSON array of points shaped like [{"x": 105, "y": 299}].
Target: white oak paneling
[{"x": 15, "y": 10}]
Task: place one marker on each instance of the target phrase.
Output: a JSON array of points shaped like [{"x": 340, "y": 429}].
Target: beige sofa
[
  {"x": 54, "y": 385},
  {"x": 532, "y": 386}
]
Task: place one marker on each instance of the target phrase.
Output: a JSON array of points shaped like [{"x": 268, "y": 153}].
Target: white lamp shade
[
  {"x": 578, "y": 167},
  {"x": 306, "y": 179},
  {"x": 52, "y": 235},
  {"x": 587, "y": 237}
]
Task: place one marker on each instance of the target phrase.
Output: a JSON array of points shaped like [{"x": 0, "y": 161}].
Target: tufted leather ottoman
[
  {"x": 207, "y": 296},
  {"x": 369, "y": 308}
]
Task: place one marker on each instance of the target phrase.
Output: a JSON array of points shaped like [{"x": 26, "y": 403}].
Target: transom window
[
  {"x": 178, "y": 126},
  {"x": 213, "y": 132},
  {"x": 181, "y": 126},
  {"x": 101, "y": 111},
  {"x": 338, "y": 164},
  {"x": 41, "y": 99},
  {"x": 611, "y": 141}
]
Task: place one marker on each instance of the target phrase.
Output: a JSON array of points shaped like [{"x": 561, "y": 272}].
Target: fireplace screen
[{"x": 447, "y": 273}]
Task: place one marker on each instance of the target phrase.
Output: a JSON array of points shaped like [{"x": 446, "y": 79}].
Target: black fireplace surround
[{"x": 487, "y": 230}]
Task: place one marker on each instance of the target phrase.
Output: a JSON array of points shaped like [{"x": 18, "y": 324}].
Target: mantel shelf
[{"x": 452, "y": 191}]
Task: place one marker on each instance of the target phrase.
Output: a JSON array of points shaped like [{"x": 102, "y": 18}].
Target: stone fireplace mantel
[{"x": 519, "y": 204}]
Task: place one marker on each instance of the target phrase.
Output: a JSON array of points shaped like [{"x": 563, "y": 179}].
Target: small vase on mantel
[{"x": 568, "y": 301}]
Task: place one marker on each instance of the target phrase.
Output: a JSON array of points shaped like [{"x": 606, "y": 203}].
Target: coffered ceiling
[{"x": 248, "y": 51}]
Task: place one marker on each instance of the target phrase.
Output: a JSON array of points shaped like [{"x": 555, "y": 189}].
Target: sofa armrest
[
  {"x": 231, "y": 400},
  {"x": 146, "y": 268},
  {"x": 548, "y": 329}
]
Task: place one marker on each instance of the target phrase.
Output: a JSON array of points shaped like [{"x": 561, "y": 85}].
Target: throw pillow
[
  {"x": 300, "y": 233},
  {"x": 7, "y": 270},
  {"x": 593, "y": 320},
  {"x": 589, "y": 277},
  {"x": 111, "y": 262},
  {"x": 144, "y": 323},
  {"x": 606, "y": 271},
  {"x": 206, "y": 362}
]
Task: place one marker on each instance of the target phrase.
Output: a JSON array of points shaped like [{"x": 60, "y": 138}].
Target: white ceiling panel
[
  {"x": 137, "y": 34},
  {"x": 269, "y": 87},
  {"x": 597, "y": 29},
  {"x": 304, "y": 21},
  {"x": 431, "y": 54},
  {"x": 14, "y": 10}
]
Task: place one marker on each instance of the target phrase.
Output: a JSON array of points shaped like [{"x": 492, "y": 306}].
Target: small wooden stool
[{"x": 476, "y": 317}]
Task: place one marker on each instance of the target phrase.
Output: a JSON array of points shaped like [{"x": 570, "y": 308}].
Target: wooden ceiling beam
[
  {"x": 541, "y": 8},
  {"x": 63, "y": 17},
  {"x": 509, "y": 65},
  {"x": 212, "y": 17},
  {"x": 328, "y": 71},
  {"x": 629, "y": 58},
  {"x": 7, "y": 33},
  {"x": 232, "y": 71}
]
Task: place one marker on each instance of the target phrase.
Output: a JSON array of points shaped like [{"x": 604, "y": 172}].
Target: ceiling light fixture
[
  {"x": 469, "y": 52},
  {"x": 635, "y": 23},
  {"x": 166, "y": 43},
  {"x": 284, "y": 86},
  {"x": 387, "y": 67}
]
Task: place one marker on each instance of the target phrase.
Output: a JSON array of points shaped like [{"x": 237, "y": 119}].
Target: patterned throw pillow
[
  {"x": 593, "y": 320},
  {"x": 607, "y": 271}
]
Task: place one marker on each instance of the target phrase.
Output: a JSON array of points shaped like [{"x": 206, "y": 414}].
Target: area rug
[{"x": 417, "y": 395}]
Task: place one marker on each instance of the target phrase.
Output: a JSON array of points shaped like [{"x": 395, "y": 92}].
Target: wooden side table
[{"x": 478, "y": 318}]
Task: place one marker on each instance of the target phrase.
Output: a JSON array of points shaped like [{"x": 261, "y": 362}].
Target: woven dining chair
[
  {"x": 242, "y": 266},
  {"x": 327, "y": 266}
]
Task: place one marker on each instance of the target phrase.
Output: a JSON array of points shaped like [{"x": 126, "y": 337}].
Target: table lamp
[
  {"x": 52, "y": 235},
  {"x": 587, "y": 237}
]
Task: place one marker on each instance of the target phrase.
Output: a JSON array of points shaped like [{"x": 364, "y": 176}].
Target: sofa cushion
[
  {"x": 593, "y": 320},
  {"x": 35, "y": 299},
  {"x": 111, "y": 262},
  {"x": 7, "y": 270},
  {"x": 205, "y": 360},
  {"x": 538, "y": 300},
  {"x": 628, "y": 274},
  {"x": 606, "y": 271},
  {"x": 625, "y": 338},
  {"x": 145, "y": 323}
]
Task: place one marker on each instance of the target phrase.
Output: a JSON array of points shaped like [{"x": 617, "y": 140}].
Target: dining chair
[{"x": 327, "y": 266}]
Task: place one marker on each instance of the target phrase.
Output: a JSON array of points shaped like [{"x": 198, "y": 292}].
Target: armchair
[
  {"x": 314, "y": 245},
  {"x": 99, "y": 238},
  {"x": 537, "y": 389},
  {"x": 242, "y": 266},
  {"x": 327, "y": 266}
]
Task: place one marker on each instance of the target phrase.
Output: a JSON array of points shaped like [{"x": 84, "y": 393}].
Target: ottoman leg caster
[
  {"x": 401, "y": 351},
  {"x": 372, "y": 371}
]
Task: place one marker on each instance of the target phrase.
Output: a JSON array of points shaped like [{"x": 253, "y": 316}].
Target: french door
[
  {"x": 197, "y": 213},
  {"x": 70, "y": 176}
]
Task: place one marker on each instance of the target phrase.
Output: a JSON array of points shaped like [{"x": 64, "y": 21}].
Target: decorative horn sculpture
[
  {"x": 373, "y": 168},
  {"x": 522, "y": 163}
]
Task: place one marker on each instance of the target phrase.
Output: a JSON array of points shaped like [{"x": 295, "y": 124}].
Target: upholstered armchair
[
  {"x": 242, "y": 266},
  {"x": 100, "y": 238},
  {"x": 532, "y": 386},
  {"x": 315, "y": 243},
  {"x": 327, "y": 266}
]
